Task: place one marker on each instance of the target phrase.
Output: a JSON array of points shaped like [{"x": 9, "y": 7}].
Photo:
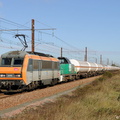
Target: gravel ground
[{"x": 28, "y": 97}]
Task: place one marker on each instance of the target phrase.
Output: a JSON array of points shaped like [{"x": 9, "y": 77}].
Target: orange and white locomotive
[{"x": 21, "y": 69}]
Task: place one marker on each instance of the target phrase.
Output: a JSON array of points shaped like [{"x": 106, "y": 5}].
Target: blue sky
[{"x": 81, "y": 23}]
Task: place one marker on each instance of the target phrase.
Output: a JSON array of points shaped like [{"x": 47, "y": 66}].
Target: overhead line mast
[
  {"x": 32, "y": 31},
  {"x": 85, "y": 59}
]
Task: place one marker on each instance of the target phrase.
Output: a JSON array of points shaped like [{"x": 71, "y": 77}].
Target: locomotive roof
[
  {"x": 23, "y": 53},
  {"x": 40, "y": 54},
  {"x": 66, "y": 60}
]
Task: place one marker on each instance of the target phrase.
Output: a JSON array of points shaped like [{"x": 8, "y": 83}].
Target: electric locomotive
[{"x": 27, "y": 70}]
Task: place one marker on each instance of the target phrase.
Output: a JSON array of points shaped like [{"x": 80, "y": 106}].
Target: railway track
[
  {"x": 7, "y": 94},
  {"x": 10, "y": 101},
  {"x": 3, "y": 96}
]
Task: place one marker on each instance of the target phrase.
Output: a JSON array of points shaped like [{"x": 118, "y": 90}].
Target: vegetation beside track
[{"x": 99, "y": 100}]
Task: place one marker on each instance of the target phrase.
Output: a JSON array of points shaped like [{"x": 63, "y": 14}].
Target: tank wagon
[
  {"x": 111, "y": 68},
  {"x": 87, "y": 69},
  {"x": 21, "y": 69}
]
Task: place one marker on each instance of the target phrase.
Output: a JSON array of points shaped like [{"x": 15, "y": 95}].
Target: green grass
[{"x": 99, "y": 100}]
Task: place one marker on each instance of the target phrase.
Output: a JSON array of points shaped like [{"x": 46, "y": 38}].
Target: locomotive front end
[{"x": 11, "y": 65}]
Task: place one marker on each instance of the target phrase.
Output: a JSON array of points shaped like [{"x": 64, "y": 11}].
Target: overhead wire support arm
[
  {"x": 32, "y": 37},
  {"x": 25, "y": 29}
]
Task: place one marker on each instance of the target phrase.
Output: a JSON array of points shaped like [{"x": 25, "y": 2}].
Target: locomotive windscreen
[
  {"x": 18, "y": 61},
  {"x": 6, "y": 61},
  {"x": 12, "y": 62},
  {"x": 63, "y": 60}
]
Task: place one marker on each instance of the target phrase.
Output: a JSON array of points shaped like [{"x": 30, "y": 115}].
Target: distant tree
[{"x": 115, "y": 65}]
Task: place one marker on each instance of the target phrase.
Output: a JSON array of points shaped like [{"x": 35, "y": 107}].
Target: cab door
[
  {"x": 30, "y": 71},
  {"x": 36, "y": 70}
]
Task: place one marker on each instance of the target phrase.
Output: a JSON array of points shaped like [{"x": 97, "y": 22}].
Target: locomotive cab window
[
  {"x": 30, "y": 65},
  {"x": 63, "y": 61},
  {"x": 18, "y": 61},
  {"x": 46, "y": 64},
  {"x": 6, "y": 61},
  {"x": 35, "y": 64},
  {"x": 56, "y": 65}
]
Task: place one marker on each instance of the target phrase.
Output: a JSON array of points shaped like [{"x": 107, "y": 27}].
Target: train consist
[{"x": 21, "y": 70}]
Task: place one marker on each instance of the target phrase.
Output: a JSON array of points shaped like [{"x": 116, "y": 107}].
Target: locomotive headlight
[
  {"x": 10, "y": 75},
  {"x": 17, "y": 75},
  {"x": 2, "y": 75}
]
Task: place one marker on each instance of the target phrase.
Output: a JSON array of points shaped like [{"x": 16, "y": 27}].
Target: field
[{"x": 99, "y": 100}]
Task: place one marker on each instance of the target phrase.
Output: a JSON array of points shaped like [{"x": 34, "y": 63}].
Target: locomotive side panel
[
  {"x": 47, "y": 73},
  {"x": 42, "y": 69}
]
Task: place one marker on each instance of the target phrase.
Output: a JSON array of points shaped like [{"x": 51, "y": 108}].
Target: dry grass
[{"x": 97, "y": 101}]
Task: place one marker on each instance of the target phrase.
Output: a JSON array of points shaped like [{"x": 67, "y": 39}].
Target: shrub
[{"x": 107, "y": 74}]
